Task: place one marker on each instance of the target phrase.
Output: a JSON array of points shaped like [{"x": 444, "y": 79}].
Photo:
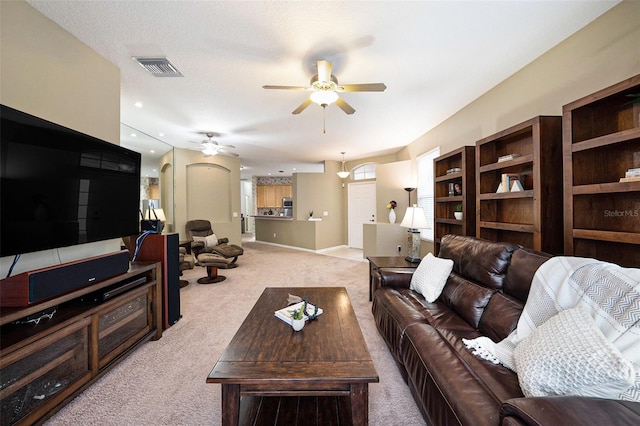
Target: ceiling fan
[
  {"x": 210, "y": 147},
  {"x": 325, "y": 88}
]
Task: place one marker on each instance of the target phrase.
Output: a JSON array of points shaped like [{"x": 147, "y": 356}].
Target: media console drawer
[
  {"x": 42, "y": 374},
  {"x": 128, "y": 321}
]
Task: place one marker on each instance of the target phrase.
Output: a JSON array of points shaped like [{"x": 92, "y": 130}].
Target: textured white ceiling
[{"x": 434, "y": 56}]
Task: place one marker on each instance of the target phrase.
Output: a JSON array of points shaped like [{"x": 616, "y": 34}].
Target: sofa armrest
[
  {"x": 569, "y": 410},
  {"x": 223, "y": 240},
  {"x": 391, "y": 277}
]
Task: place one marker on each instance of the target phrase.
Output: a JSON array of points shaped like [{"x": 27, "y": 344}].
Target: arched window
[{"x": 365, "y": 171}]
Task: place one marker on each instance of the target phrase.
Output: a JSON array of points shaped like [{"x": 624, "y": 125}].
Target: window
[
  {"x": 425, "y": 189},
  {"x": 366, "y": 171}
]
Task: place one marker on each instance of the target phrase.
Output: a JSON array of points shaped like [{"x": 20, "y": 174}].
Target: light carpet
[{"x": 163, "y": 382}]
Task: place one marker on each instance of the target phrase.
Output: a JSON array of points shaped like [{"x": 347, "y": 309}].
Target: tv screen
[{"x": 60, "y": 187}]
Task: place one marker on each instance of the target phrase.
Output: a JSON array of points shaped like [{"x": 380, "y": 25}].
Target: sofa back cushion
[
  {"x": 524, "y": 264},
  {"x": 466, "y": 298},
  {"x": 482, "y": 261},
  {"x": 500, "y": 317}
]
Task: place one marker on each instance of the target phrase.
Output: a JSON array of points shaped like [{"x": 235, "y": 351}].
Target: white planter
[
  {"x": 298, "y": 324},
  {"x": 457, "y": 215}
]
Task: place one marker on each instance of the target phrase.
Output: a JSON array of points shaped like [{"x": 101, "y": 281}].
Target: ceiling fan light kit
[
  {"x": 324, "y": 87},
  {"x": 324, "y": 97}
]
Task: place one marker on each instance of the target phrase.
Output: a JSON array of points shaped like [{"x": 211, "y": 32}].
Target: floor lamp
[{"x": 414, "y": 219}]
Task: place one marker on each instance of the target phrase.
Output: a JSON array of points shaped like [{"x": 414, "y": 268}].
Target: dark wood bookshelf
[
  {"x": 601, "y": 141},
  {"x": 462, "y": 158},
  {"x": 531, "y": 217}
]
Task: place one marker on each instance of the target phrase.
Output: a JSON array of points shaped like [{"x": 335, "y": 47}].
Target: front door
[{"x": 361, "y": 210}]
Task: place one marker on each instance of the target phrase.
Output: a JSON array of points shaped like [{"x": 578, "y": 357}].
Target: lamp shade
[
  {"x": 414, "y": 218},
  {"x": 155, "y": 214},
  {"x": 160, "y": 215}
]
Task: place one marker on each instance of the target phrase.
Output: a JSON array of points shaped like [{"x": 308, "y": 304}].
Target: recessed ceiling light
[
  {"x": 152, "y": 151},
  {"x": 294, "y": 169},
  {"x": 133, "y": 135},
  {"x": 138, "y": 104},
  {"x": 161, "y": 134}
]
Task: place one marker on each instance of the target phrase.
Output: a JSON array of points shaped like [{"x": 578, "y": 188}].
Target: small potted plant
[
  {"x": 297, "y": 316},
  {"x": 458, "y": 213}
]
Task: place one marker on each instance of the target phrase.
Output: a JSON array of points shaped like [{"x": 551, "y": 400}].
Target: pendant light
[{"x": 343, "y": 173}]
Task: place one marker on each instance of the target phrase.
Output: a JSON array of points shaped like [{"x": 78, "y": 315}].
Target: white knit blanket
[{"x": 610, "y": 293}]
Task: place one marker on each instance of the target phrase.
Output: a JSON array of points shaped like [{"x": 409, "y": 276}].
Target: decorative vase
[
  {"x": 457, "y": 215},
  {"x": 297, "y": 324},
  {"x": 392, "y": 216}
]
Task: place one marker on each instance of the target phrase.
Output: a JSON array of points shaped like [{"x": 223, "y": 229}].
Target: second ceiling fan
[{"x": 325, "y": 88}]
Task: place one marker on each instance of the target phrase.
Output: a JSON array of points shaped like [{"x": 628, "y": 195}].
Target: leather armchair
[{"x": 202, "y": 228}]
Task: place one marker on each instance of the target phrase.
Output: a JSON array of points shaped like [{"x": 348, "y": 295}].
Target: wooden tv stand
[{"x": 43, "y": 366}]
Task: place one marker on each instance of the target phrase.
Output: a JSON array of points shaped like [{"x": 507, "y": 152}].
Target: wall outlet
[
  {"x": 399, "y": 248},
  {"x": 325, "y": 213},
  {"x": 235, "y": 214},
  {"x": 274, "y": 235}
]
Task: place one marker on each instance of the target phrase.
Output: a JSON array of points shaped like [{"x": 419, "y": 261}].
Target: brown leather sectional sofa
[{"x": 484, "y": 296}]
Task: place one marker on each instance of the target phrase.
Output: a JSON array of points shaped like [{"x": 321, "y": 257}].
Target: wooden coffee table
[{"x": 266, "y": 358}]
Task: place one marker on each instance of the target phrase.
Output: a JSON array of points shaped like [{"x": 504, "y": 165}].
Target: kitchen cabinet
[{"x": 270, "y": 196}]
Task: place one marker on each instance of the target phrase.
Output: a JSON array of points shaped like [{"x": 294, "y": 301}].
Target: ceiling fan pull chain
[{"x": 324, "y": 118}]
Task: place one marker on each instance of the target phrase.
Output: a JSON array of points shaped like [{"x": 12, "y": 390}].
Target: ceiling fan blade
[
  {"x": 225, "y": 152},
  {"x": 324, "y": 70},
  {"x": 343, "y": 105},
  {"x": 302, "y": 107},
  {"x": 368, "y": 87},
  {"x": 285, "y": 87}
]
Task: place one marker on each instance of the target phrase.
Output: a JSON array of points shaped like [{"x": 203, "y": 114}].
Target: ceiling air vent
[{"x": 158, "y": 66}]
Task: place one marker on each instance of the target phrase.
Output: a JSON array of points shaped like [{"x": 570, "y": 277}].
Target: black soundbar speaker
[{"x": 42, "y": 284}]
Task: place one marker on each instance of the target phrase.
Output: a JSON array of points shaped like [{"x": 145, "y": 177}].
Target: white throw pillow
[
  {"x": 431, "y": 276},
  {"x": 211, "y": 240},
  {"x": 202, "y": 240},
  {"x": 569, "y": 355}
]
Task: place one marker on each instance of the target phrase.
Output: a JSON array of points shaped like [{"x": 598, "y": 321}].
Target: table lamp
[{"x": 414, "y": 219}]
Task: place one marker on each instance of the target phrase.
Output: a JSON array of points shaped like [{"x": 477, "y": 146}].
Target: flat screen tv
[{"x": 60, "y": 187}]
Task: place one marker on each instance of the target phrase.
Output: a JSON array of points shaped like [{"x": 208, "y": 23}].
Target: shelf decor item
[
  {"x": 458, "y": 213},
  {"x": 392, "y": 213}
]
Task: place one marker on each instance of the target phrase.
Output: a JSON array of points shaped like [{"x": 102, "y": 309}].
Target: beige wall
[
  {"x": 47, "y": 72},
  {"x": 227, "y": 198},
  {"x": 601, "y": 54},
  {"x": 322, "y": 192}
]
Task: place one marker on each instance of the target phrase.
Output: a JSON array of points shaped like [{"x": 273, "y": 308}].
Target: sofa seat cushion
[
  {"x": 393, "y": 311},
  {"x": 439, "y": 366}
]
